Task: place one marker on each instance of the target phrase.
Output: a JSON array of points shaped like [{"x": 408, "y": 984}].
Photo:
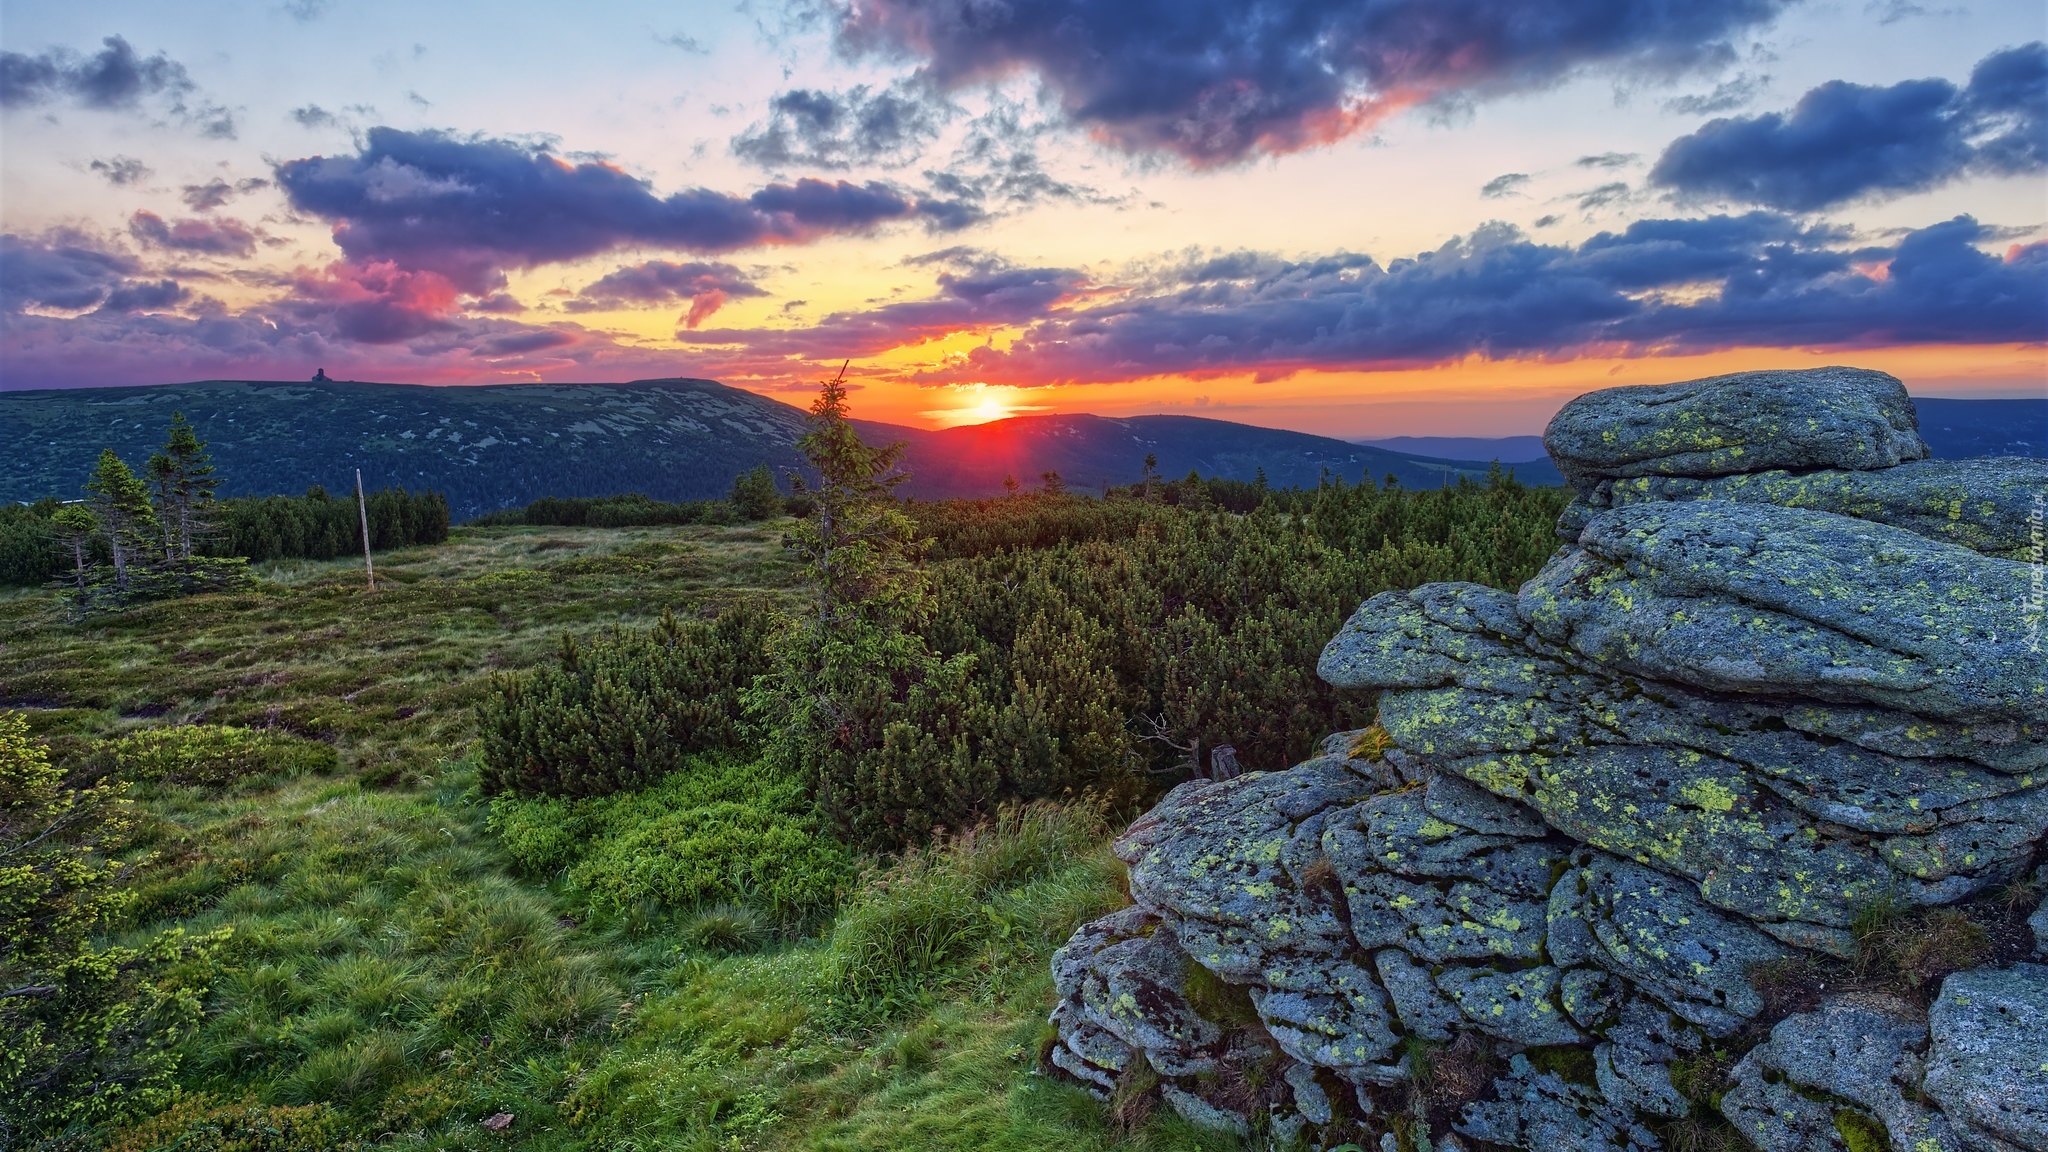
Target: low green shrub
[
  {"x": 203, "y": 1123},
  {"x": 625, "y": 710},
  {"x": 714, "y": 832},
  {"x": 211, "y": 755}
]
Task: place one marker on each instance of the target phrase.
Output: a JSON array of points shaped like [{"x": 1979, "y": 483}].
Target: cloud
[
  {"x": 68, "y": 271},
  {"x": 114, "y": 77},
  {"x": 204, "y": 237},
  {"x": 121, "y": 171},
  {"x": 497, "y": 304},
  {"x": 1218, "y": 83},
  {"x": 314, "y": 116},
  {"x": 1658, "y": 286},
  {"x": 216, "y": 192},
  {"x": 1606, "y": 160},
  {"x": 374, "y": 302},
  {"x": 1844, "y": 142},
  {"x": 707, "y": 286},
  {"x": 1727, "y": 96},
  {"x": 683, "y": 42},
  {"x": 807, "y": 127},
  {"x": 1504, "y": 185},
  {"x": 1593, "y": 199},
  {"x": 307, "y": 11},
  {"x": 469, "y": 208},
  {"x": 145, "y": 296}
]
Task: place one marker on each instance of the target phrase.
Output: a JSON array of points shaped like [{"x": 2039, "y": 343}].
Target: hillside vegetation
[{"x": 375, "y": 947}]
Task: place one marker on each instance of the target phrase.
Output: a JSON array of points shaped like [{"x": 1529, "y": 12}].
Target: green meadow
[{"x": 375, "y": 951}]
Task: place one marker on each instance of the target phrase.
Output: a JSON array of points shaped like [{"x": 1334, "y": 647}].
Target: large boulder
[
  {"x": 1784, "y": 676},
  {"x": 1988, "y": 1066},
  {"x": 1743, "y": 422},
  {"x": 1984, "y": 505}
]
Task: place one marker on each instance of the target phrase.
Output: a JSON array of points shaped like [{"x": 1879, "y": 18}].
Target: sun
[{"x": 989, "y": 409}]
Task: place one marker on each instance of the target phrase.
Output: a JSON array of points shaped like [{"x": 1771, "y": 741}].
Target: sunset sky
[{"x": 1365, "y": 218}]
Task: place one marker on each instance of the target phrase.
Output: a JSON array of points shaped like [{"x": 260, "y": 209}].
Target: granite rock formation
[{"x": 1787, "y": 675}]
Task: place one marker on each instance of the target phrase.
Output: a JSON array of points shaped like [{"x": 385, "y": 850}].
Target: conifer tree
[
  {"x": 858, "y": 537},
  {"x": 185, "y": 486},
  {"x": 869, "y": 715},
  {"x": 120, "y": 502},
  {"x": 75, "y": 527},
  {"x": 754, "y": 495}
]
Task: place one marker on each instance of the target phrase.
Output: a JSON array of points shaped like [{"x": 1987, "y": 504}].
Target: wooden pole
[{"x": 363, "y": 509}]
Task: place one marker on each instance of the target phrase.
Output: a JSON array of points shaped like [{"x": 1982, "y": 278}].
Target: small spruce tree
[
  {"x": 185, "y": 487},
  {"x": 75, "y": 527},
  {"x": 120, "y": 503},
  {"x": 754, "y": 495},
  {"x": 870, "y": 717}
]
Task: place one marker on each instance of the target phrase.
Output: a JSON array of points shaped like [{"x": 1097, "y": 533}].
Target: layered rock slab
[{"x": 1785, "y": 672}]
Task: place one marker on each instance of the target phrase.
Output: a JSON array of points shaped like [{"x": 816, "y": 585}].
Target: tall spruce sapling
[
  {"x": 858, "y": 539},
  {"x": 869, "y": 717},
  {"x": 75, "y": 526},
  {"x": 185, "y": 487},
  {"x": 120, "y": 503}
]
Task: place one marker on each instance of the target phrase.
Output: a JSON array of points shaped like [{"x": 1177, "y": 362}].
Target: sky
[{"x": 1350, "y": 217}]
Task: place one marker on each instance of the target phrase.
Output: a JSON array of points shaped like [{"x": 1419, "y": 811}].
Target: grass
[{"x": 393, "y": 978}]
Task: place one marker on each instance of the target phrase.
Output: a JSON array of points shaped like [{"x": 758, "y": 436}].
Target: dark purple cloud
[
  {"x": 707, "y": 286},
  {"x": 205, "y": 237},
  {"x": 69, "y": 271},
  {"x": 145, "y": 296},
  {"x": 810, "y": 128},
  {"x": 1845, "y": 142},
  {"x": 1658, "y": 286},
  {"x": 468, "y": 209},
  {"x": 1220, "y": 81}
]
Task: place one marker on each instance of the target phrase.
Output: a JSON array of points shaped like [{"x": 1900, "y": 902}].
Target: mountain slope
[
  {"x": 1506, "y": 449},
  {"x": 484, "y": 447},
  {"x": 496, "y": 446},
  {"x": 1090, "y": 451}
]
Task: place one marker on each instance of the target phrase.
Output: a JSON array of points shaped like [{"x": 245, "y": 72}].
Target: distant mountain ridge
[
  {"x": 501, "y": 445},
  {"x": 1506, "y": 449},
  {"x": 495, "y": 446}
]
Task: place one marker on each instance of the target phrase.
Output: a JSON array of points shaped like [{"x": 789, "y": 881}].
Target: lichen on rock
[{"x": 1780, "y": 679}]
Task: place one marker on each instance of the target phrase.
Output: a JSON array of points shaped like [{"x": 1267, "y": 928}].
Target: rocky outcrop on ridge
[{"x": 1587, "y": 880}]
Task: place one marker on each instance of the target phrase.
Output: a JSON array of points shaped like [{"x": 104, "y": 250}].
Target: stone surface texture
[{"x": 1784, "y": 671}]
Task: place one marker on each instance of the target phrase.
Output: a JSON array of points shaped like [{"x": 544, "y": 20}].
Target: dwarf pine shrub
[
  {"x": 211, "y": 755},
  {"x": 625, "y": 710}
]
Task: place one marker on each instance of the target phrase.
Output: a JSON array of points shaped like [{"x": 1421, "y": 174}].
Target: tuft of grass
[
  {"x": 727, "y": 929},
  {"x": 1915, "y": 949}
]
